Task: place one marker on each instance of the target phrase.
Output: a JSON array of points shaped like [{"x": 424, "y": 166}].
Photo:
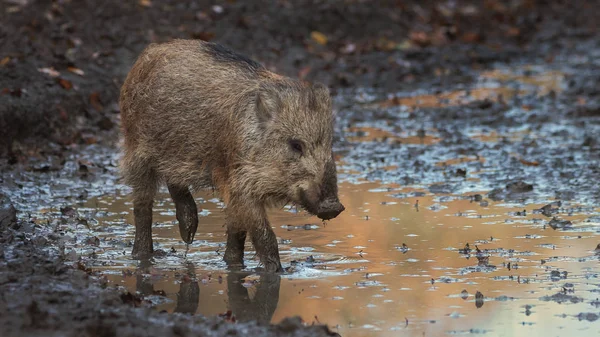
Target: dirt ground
[{"x": 62, "y": 63}]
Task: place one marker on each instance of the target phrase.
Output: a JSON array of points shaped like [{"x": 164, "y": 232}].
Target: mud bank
[
  {"x": 62, "y": 62},
  {"x": 44, "y": 292}
]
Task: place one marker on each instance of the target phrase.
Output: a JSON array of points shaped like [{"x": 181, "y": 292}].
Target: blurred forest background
[{"x": 62, "y": 62}]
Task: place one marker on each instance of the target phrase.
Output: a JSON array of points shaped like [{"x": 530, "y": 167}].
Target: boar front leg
[
  {"x": 186, "y": 211},
  {"x": 242, "y": 217},
  {"x": 265, "y": 243},
  {"x": 234, "y": 253}
]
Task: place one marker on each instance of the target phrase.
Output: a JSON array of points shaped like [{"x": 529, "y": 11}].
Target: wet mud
[{"x": 470, "y": 186}]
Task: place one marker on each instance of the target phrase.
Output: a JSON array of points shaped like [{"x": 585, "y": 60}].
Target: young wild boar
[{"x": 195, "y": 114}]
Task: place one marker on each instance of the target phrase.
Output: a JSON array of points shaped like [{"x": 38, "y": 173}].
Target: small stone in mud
[
  {"x": 8, "y": 217},
  {"x": 441, "y": 188},
  {"x": 555, "y": 275},
  {"x": 564, "y": 195},
  {"x": 93, "y": 241},
  {"x": 521, "y": 213},
  {"x": 131, "y": 299},
  {"x": 404, "y": 248},
  {"x": 588, "y": 316},
  {"x": 519, "y": 187},
  {"x": 476, "y": 197},
  {"x": 556, "y": 223},
  {"x": 159, "y": 253},
  {"x": 465, "y": 250},
  {"x": 562, "y": 298},
  {"x": 83, "y": 195},
  {"x": 496, "y": 194},
  {"x": 590, "y": 141},
  {"x": 484, "y": 203},
  {"x": 482, "y": 104},
  {"x": 461, "y": 172},
  {"x": 464, "y": 294},
  {"x": 547, "y": 210},
  {"x": 479, "y": 299},
  {"x": 483, "y": 261},
  {"x": 68, "y": 211}
]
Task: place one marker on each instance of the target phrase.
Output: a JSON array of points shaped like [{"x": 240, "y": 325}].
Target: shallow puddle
[{"x": 393, "y": 262}]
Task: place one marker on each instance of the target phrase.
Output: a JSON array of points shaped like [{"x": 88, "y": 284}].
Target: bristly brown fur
[{"x": 195, "y": 114}]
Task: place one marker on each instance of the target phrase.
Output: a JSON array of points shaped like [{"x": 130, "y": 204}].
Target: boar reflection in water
[
  {"x": 195, "y": 114},
  {"x": 243, "y": 307}
]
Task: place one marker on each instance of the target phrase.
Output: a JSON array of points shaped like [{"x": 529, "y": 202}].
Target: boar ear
[
  {"x": 267, "y": 103},
  {"x": 321, "y": 91},
  {"x": 322, "y": 95}
]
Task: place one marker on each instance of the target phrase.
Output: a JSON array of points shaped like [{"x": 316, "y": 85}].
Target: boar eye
[{"x": 296, "y": 145}]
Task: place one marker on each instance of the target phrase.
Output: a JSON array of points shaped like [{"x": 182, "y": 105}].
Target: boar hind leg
[
  {"x": 143, "y": 198},
  {"x": 186, "y": 212},
  {"x": 234, "y": 253}
]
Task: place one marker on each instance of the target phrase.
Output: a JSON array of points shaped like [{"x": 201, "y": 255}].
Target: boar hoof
[
  {"x": 234, "y": 260},
  {"x": 273, "y": 267}
]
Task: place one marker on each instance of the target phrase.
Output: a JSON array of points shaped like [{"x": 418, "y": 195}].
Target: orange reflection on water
[
  {"x": 372, "y": 134},
  {"x": 363, "y": 284},
  {"x": 542, "y": 82}
]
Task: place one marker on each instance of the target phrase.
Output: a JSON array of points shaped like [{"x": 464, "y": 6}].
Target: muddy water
[
  {"x": 354, "y": 274},
  {"x": 416, "y": 172}
]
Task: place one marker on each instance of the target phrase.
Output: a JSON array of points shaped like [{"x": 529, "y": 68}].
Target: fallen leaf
[
  {"x": 76, "y": 71},
  {"x": 145, "y": 3},
  {"x": 15, "y": 92},
  {"x": 405, "y": 45},
  {"x": 65, "y": 83},
  {"x": 419, "y": 38},
  {"x": 204, "y": 36},
  {"x": 471, "y": 37},
  {"x": 513, "y": 32},
  {"x": 529, "y": 163},
  {"x": 95, "y": 101},
  {"x": 319, "y": 38},
  {"x": 49, "y": 71},
  {"x": 303, "y": 72},
  {"x": 384, "y": 44},
  {"x": 89, "y": 139},
  {"x": 4, "y": 61}
]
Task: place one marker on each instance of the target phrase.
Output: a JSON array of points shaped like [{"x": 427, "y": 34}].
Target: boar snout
[
  {"x": 330, "y": 208},
  {"x": 322, "y": 199}
]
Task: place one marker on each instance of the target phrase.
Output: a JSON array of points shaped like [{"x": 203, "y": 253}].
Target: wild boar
[{"x": 197, "y": 115}]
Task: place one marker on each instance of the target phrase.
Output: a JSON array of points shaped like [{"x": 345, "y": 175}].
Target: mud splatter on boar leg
[
  {"x": 234, "y": 253},
  {"x": 186, "y": 212},
  {"x": 265, "y": 243},
  {"x": 142, "y": 211}
]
